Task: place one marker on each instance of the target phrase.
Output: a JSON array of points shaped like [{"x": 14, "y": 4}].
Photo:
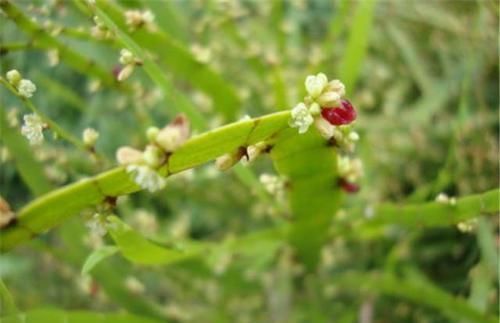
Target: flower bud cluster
[
  {"x": 128, "y": 62},
  {"x": 25, "y": 88},
  {"x": 143, "y": 166},
  {"x": 100, "y": 30},
  {"x": 332, "y": 115},
  {"x": 323, "y": 98},
  {"x": 136, "y": 19}
]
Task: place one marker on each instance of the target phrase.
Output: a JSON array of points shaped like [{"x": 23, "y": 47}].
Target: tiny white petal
[{"x": 315, "y": 84}]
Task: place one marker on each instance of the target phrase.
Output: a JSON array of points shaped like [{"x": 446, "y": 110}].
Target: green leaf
[
  {"x": 414, "y": 288},
  {"x": 7, "y": 304},
  {"x": 139, "y": 250},
  {"x": 97, "y": 256},
  {"x": 309, "y": 163},
  {"x": 357, "y": 44},
  {"x": 60, "y": 316}
]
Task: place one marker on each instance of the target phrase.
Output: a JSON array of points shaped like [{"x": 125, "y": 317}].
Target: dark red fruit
[
  {"x": 348, "y": 187},
  {"x": 342, "y": 115}
]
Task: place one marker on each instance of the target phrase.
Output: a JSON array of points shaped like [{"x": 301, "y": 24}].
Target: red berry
[
  {"x": 342, "y": 115},
  {"x": 348, "y": 187}
]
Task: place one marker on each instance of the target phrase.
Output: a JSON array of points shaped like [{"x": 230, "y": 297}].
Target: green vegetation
[{"x": 156, "y": 165}]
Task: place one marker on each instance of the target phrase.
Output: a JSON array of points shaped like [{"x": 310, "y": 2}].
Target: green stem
[{"x": 60, "y": 132}]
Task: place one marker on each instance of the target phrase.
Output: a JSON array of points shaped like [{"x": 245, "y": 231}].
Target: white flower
[
  {"x": 126, "y": 57},
  {"x": 301, "y": 118},
  {"x": 315, "y": 84},
  {"x": 97, "y": 225},
  {"x": 13, "y": 76},
  {"x": 32, "y": 128},
  {"x": 127, "y": 155},
  {"x": 350, "y": 169},
  {"x": 90, "y": 137},
  {"x": 146, "y": 177},
  {"x": 273, "y": 184},
  {"x": 136, "y": 18},
  {"x": 26, "y": 88}
]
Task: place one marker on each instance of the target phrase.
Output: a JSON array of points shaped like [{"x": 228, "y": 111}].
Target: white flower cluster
[
  {"x": 273, "y": 184},
  {"x": 24, "y": 87},
  {"x": 33, "y": 128},
  {"x": 136, "y": 19},
  {"x": 350, "y": 168},
  {"x": 100, "y": 31},
  {"x": 143, "y": 166},
  {"x": 445, "y": 199},
  {"x": 98, "y": 224},
  {"x": 320, "y": 93}
]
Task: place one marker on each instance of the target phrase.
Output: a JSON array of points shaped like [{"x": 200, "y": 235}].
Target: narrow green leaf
[
  {"x": 416, "y": 290},
  {"x": 7, "y": 304},
  {"x": 138, "y": 249},
  {"x": 358, "y": 43},
  {"x": 97, "y": 256}
]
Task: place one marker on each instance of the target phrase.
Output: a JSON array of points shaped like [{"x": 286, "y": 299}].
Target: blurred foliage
[{"x": 424, "y": 78}]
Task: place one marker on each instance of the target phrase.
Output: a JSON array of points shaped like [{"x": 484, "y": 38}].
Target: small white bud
[
  {"x": 151, "y": 133},
  {"x": 90, "y": 136},
  {"x": 324, "y": 127},
  {"x": 225, "y": 162},
  {"x": 152, "y": 156},
  {"x": 128, "y": 155},
  {"x": 13, "y": 76},
  {"x": 336, "y": 86},
  {"x": 174, "y": 134},
  {"x": 125, "y": 72},
  {"x": 126, "y": 57},
  {"x": 329, "y": 99},
  {"x": 315, "y": 84},
  {"x": 314, "y": 109},
  {"x": 353, "y": 136}
]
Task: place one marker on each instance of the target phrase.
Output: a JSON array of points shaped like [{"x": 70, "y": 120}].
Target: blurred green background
[{"x": 423, "y": 76}]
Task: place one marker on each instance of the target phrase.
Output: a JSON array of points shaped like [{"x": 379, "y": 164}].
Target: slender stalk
[{"x": 60, "y": 132}]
